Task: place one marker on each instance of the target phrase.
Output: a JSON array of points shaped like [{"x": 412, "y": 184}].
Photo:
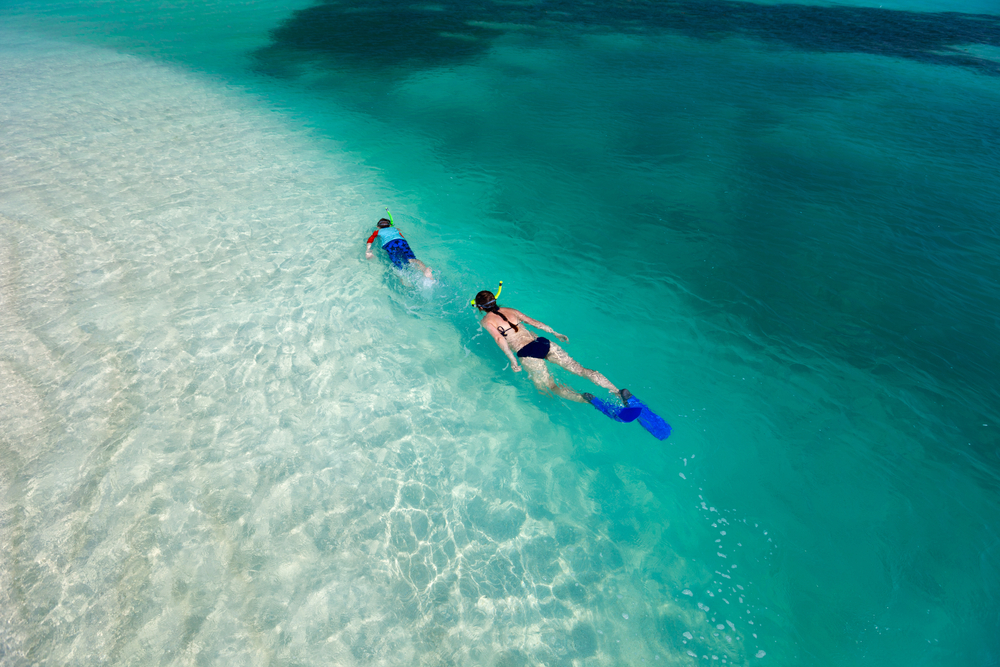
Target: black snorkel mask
[
  {"x": 385, "y": 223},
  {"x": 491, "y": 303}
]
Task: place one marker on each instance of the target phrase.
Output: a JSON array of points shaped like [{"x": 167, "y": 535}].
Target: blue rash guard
[{"x": 387, "y": 234}]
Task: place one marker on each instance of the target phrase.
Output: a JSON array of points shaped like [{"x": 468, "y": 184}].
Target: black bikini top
[{"x": 512, "y": 327}]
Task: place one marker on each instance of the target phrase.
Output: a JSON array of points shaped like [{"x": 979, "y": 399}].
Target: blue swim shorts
[{"x": 399, "y": 252}]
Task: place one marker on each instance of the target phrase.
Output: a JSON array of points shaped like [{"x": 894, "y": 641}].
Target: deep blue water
[{"x": 775, "y": 223}]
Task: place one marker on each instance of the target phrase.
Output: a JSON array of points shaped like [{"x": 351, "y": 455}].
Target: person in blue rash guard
[
  {"x": 503, "y": 325},
  {"x": 396, "y": 247}
]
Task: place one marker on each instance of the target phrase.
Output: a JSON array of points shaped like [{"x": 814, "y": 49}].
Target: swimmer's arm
[
  {"x": 541, "y": 325},
  {"x": 502, "y": 343},
  {"x": 368, "y": 248}
]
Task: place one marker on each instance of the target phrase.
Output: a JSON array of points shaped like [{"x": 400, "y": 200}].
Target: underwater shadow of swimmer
[{"x": 393, "y": 35}]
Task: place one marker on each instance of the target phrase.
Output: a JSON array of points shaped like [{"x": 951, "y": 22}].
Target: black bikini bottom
[{"x": 536, "y": 349}]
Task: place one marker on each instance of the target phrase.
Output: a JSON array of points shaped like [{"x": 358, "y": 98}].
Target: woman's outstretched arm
[{"x": 540, "y": 325}]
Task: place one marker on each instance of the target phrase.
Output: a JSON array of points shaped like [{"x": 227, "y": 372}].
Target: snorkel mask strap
[{"x": 495, "y": 296}]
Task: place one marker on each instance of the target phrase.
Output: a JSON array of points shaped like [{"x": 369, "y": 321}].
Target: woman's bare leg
[
  {"x": 543, "y": 380},
  {"x": 558, "y": 355}
]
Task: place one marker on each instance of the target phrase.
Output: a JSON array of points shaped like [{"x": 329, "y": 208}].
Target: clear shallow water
[{"x": 227, "y": 437}]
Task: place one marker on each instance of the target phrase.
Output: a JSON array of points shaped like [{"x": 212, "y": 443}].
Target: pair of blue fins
[{"x": 630, "y": 410}]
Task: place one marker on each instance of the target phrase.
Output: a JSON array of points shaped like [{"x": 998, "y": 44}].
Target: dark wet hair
[
  {"x": 486, "y": 301},
  {"x": 383, "y": 223}
]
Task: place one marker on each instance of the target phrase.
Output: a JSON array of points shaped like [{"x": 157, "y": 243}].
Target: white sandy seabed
[{"x": 222, "y": 442}]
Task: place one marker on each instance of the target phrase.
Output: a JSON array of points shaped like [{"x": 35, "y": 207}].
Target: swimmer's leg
[
  {"x": 558, "y": 355},
  {"x": 543, "y": 380},
  {"x": 422, "y": 267}
]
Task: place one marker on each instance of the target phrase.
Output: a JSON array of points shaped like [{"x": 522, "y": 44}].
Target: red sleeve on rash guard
[{"x": 371, "y": 239}]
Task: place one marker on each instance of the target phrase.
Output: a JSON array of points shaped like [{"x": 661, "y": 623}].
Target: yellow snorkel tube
[{"x": 495, "y": 296}]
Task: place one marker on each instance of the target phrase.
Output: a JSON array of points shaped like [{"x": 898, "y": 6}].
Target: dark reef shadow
[{"x": 386, "y": 35}]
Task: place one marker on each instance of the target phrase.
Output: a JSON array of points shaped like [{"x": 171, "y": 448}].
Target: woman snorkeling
[{"x": 506, "y": 325}]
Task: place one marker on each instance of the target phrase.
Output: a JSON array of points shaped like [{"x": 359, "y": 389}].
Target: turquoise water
[{"x": 227, "y": 438}]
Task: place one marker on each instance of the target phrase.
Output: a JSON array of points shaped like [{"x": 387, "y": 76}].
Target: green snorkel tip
[{"x": 391, "y": 221}]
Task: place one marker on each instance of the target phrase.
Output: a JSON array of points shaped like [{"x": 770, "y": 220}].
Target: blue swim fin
[
  {"x": 650, "y": 421},
  {"x": 613, "y": 410}
]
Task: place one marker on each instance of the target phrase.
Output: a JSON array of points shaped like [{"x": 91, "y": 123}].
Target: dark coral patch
[{"x": 389, "y": 34}]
